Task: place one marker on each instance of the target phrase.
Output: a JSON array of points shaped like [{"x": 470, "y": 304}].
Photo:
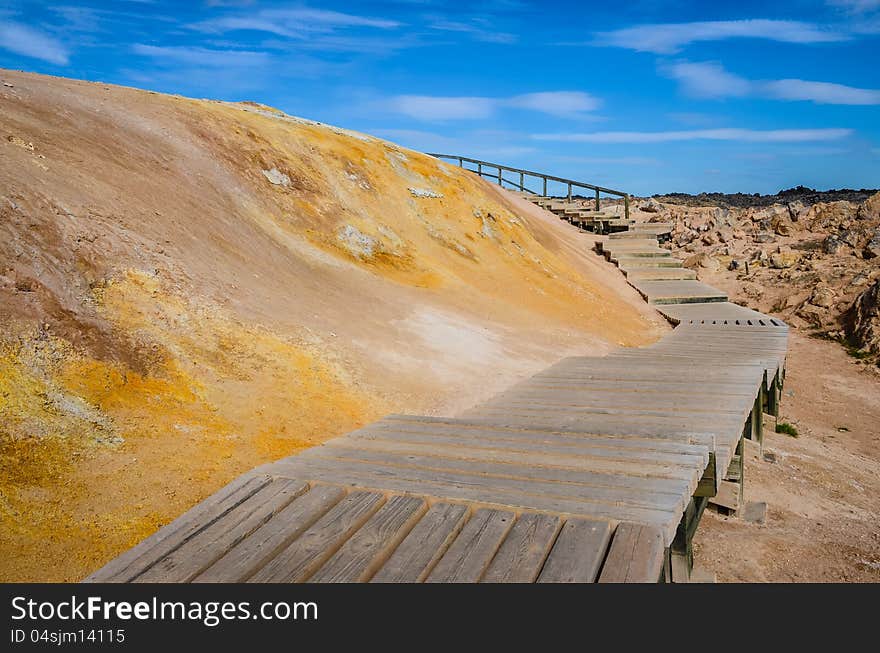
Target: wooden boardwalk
[{"x": 595, "y": 469}]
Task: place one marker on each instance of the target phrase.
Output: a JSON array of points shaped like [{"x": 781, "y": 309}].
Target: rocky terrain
[
  {"x": 815, "y": 265},
  {"x": 189, "y": 289},
  {"x": 799, "y": 194}
]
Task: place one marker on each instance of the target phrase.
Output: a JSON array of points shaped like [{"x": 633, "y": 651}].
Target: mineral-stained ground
[{"x": 192, "y": 288}]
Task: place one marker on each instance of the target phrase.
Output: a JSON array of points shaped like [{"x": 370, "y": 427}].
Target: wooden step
[
  {"x": 633, "y": 262},
  {"x": 678, "y": 292},
  {"x": 658, "y": 274}
]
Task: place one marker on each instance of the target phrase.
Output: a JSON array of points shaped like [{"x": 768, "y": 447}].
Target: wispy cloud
[
  {"x": 202, "y": 57},
  {"x": 820, "y": 92},
  {"x": 433, "y": 108},
  {"x": 669, "y": 38},
  {"x": 29, "y": 42},
  {"x": 556, "y": 103},
  {"x": 727, "y": 134},
  {"x": 296, "y": 23},
  {"x": 856, "y": 6},
  {"x": 478, "y": 29},
  {"x": 711, "y": 80},
  {"x": 707, "y": 80},
  {"x": 572, "y": 104}
]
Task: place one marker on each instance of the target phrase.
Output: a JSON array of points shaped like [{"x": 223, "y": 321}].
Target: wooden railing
[{"x": 495, "y": 172}]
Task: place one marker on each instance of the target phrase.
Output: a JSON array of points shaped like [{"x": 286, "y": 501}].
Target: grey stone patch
[
  {"x": 872, "y": 249},
  {"x": 487, "y": 230},
  {"x": 755, "y": 512},
  {"x": 356, "y": 242},
  {"x": 769, "y": 457},
  {"x": 424, "y": 192},
  {"x": 277, "y": 177}
]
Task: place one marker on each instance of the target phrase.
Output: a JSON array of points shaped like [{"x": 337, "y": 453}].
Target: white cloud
[
  {"x": 727, "y": 134},
  {"x": 560, "y": 103},
  {"x": 707, "y": 80},
  {"x": 427, "y": 107},
  {"x": 820, "y": 92},
  {"x": 480, "y": 33},
  {"x": 297, "y": 23},
  {"x": 668, "y": 38},
  {"x": 572, "y": 104},
  {"x": 711, "y": 80},
  {"x": 30, "y": 42},
  {"x": 202, "y": 57}
]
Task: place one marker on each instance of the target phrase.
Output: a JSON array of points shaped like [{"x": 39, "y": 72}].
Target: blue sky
[{"x": 646, "y": 96}]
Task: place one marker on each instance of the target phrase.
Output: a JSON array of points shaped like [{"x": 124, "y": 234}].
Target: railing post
[
  {"x": 597, "y": 199},
  {"x": 460, "y": 162},
  {"x": 480, "y": 169},
  {"x": 545, "y": 186},
  {"x": 499, "y": 177},
  {"x": 626, "y": 206},
  {"x": 569, "y": 192},
  {"x": 522, "y": 182}
]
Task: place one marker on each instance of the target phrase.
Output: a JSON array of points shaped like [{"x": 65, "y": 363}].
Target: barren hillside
[{"x": 191, "y": 288}]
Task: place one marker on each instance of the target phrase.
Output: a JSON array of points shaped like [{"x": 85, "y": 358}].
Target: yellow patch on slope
[{"x": 218, "y": 398}]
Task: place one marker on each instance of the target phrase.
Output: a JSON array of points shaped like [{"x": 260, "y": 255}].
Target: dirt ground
[{"x": 822, "y": 488}]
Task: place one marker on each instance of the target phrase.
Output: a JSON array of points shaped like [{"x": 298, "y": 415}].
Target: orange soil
[{"x": 171, "y": 317}]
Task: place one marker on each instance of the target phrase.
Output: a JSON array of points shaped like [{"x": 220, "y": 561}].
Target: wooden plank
[
  {"x": 521, "y": 556},
  {"x": 425, "y": 544},
  {"x": 368, "y": 548},
  {"x": 472, "y": 551},
  {"x": 311, "y": 549},
  {"x": 459, "y": 487},
  {"x": 513, "y": 462},
  {"x": 463, "y": 428},
  {"x": 202, "y": 550},
  {"x": 139, "y": 558},
  {"x": 578, "y": 552},
  {"x": 537, "y": 480},
  {"x": 243, "y": 560},
  {"x": 635, "y": 556}
]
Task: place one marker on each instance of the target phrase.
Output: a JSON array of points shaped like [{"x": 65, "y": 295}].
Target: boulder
[
  {"x": 782, "y": 225},
  {"x": 651, "y": 206},
  {"x": 872, "y": 249},
  {"x": 764, "y": 237},
  {"x": 831, "y": 245},
  {"x": 823, "y": 296},
  {"x": 872, "y": 206},
  {"x": 701, "y": 260},
  {"x": 784, "y": 258},
  {"x": 862, "y": 321}
]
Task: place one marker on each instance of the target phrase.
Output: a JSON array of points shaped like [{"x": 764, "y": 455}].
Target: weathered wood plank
[
  {"x": 241, "y": 561},
  {"x": 311, "y": 549},
  {"x": 578, "y": 552},
  {"x": 368, "y": 548},
  {"x": 521, "y": 556},
  {"x": 425, "y": 544},
  {"x": 472, "y": 551},
  {"x": 537, "y": 480},
  {"x": 635, "y": 555}
]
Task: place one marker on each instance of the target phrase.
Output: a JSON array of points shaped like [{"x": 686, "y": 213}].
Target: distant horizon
[{"x": 744, "y": 97}]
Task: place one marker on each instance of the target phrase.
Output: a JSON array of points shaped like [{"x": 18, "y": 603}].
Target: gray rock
[
  {"x": 755, "y": 512},
  {"x": 276, "y": 177},
  {"x": 651, "y": 206},
  {"x": 765, "y": 237},
  {"x": 831, "y": 245},
  {"x": 872, "y": 249}
]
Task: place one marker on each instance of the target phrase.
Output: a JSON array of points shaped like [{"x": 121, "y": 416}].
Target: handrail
[{"x": 499, "y": 168}]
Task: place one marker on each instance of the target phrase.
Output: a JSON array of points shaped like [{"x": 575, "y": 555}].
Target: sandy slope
[{"x": 192, "y": 288}]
